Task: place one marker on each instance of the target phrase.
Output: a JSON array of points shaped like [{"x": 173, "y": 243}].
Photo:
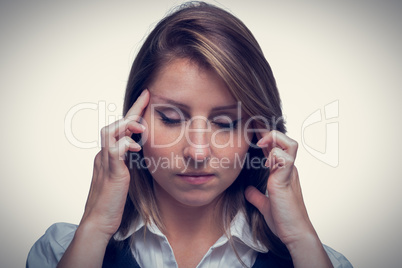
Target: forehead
[{"x": 187, "y": 82}]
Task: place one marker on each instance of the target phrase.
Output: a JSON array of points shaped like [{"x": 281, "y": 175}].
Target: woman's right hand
[
  {"x": 111, "y": 177},
  {"x": 108, "y": 192}
]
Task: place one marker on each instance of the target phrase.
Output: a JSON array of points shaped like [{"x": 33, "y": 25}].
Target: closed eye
[
  {"x": 169, "y": 121},
  {"x": 227, "y": 125}
]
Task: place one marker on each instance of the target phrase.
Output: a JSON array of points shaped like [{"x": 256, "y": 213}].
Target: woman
[{"x": 199, "y": 172}]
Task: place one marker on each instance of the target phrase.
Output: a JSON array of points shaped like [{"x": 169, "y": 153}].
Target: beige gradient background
[{"x": 57, "y": 54}]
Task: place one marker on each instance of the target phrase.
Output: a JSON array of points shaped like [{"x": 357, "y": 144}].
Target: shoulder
[
  {"x": 337, "y": 259},
  {"x": 48, "y": 250}
]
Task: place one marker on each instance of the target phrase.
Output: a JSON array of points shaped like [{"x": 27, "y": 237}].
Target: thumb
[
  {"x": 257, "y": 199},
  {"x": 262, "y": 203}
]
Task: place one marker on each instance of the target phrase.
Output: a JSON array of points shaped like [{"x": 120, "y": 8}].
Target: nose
[{"x": 197, "y": 140}]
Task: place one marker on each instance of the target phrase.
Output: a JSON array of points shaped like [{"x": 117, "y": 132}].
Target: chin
[{"x": 196, "y": 199}]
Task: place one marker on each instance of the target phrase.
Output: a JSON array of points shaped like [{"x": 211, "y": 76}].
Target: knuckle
[
  {"x": 113, "y": 152},
  {"x": 291, "y": 159},
  {"x": 132, "y": 118},
  {"x": 295, "y": 170},
  {"x": 275, "y": 133},
  {"x": 294, "y": 144},
  {"x": 121, "y": 122},
  {"x": 98, "y": 160},
  {"x": 127, "y": 140},
  {"x": 277, "y": 151},
  {"x": 104, "y": 131}
]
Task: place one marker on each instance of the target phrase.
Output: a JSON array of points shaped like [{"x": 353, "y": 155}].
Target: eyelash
[
  {"x": 168, "y": 121},
  {"x": 232, "y": 125}
]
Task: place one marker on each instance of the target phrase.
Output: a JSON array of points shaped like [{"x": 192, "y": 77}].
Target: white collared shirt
[{"x": 154, "y": 249}]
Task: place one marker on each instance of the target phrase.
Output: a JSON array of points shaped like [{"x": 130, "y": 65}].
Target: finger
[
  {"x": 117, "y": 153},
  {"x": 262, "y": 203},
  {"x": 277, "y": 139},
  {"x": 97, "y": 164},
  {"x": 130, "y": 128},
  {"x": 255, "y": 197},
  {"x": 138, "y": 107},
  {"x": 97, "y": 170},
  {"x": 108, "y": 137},
  {"x": 109, "y": 132},
  {"x": 115, "y": 131},
  {"x": 279, "y": 159},
  {"x": 261, "y": 133},
  {"x": 122, "y": 146}
]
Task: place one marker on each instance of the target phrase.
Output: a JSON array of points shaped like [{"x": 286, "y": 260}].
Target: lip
[{"x": 196, "y": 178}]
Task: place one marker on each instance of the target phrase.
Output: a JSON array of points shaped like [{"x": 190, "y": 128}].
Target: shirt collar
[
  {"x": 239, "y": 228},
  {"x": 136, "y": 227}
]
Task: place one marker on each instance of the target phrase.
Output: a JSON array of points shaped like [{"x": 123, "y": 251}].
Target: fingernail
[
  {"x": 143, "y": 92},
  {"x": 137, "y": 146},
  {"x": 267, "y": 163},
  {"x": 259, "y": 143},
  {"x": 143, "y": 127}
]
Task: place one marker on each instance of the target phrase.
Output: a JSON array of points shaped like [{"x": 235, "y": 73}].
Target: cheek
[
  {"x": 239, "y": 139},
  {"x": 158, "y": 145},
  {"x": 160, "y": 135},
  {"x": 167, "y": 136},
  {"x": 223, "y": 139},
  {"x": 231, "y": 156}
]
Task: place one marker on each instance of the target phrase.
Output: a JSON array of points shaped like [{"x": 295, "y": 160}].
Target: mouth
[{"x": 196, "y": 178}]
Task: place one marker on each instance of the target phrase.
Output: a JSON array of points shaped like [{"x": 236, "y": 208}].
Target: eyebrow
[{"x": 185, "y": 106}]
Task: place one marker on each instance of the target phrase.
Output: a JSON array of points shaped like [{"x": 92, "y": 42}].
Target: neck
[{"x": 187, "y": 221}]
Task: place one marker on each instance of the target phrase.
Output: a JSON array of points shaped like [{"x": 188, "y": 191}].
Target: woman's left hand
[{"x": 283, "y": 207}]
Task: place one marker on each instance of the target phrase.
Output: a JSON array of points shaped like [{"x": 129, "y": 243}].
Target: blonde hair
[{"x": 217, "y": 40}]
